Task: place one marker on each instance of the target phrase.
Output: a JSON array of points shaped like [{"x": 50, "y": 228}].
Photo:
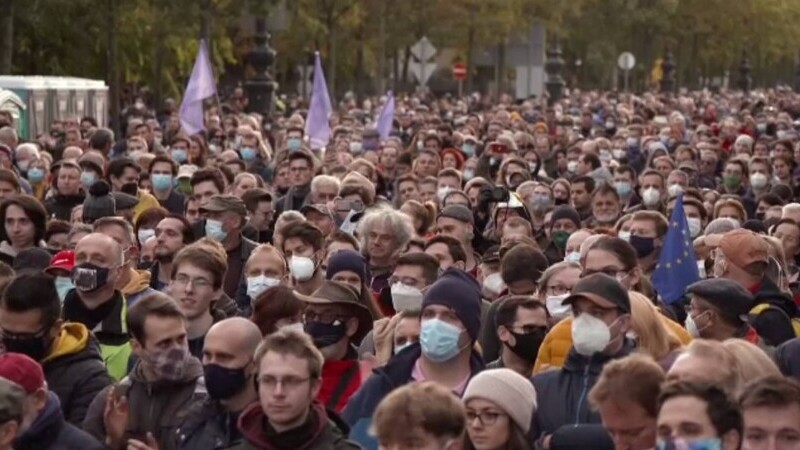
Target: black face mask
[
  {"x": 88, "y": 277},
  {"x": 643, "y": 246},
  {"x": 36, "y": 347},
  {"x": 223, "y": 383},
  {"x": 527, "y": 344},
  {"x": 326, "y": 334}
]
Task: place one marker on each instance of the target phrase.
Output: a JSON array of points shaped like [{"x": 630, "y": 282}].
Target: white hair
[
  {"x": 791, "y": 208},
  {"x": 325, "y": 180},
  {"x": 397, "y": 222},
  {"x": 744, "y": 139},
  {"x": 34, "y": 151}
]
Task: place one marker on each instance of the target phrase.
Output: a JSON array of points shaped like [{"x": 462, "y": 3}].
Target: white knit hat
[{"x": 512, "y": 393}]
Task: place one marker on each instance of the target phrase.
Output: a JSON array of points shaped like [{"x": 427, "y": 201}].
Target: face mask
[
  {"x": 695, "y": 227},
  {"x": 573, "y": 257},
  {"x": 180, "y": 156},
  {"x": 88, "y": 277},
  {"x": 439, "y": 340},
  {"x": 644, "y": 246},
  {"x": 223, "y": 383},
  {"x": 494, "y": 283},
  {"x": 572, "y": 166},
  {"x": 297, "y": 327},
  {"x": 619, "y": 153},
  {"x": 400, "y": 348},
  {"x": 590, "y": 335},
  {"x": 605, "y": 157},
  {"x": 442, "y": 192},
  {"x": 623, "y": 188},
  {"x": 355, "y": 147},
  {"x": 23, "y": 165},
  {"x": 35, "y": 175},
  {"x": 88, "y": 179},
  {"x": 532, "y": 168},
  {"x": 468, "y": 174},
  {"x": 761, "y": 128},
  {"x": 302, "y": 268},
  {"x": 527, "y": 344},
  {"x": 248, "y": 153},
  {"x": 555, "y": 308},
  {"x": 214, "y": 230},
  {"x": 624, "y": 235},
  {"x": 468, "y": 149},
  {"x": 144, "y": 234},
  {"x": 632, "y": 142},
  {"x": 691, "y": 325},
  {"x": 674, "y": 190},
  {"x": 294, "y": 144},
  {"x": 540, "y": 203},
  {"x": 405, "y": 297},
  {"x": 63, "y": 286},
  {"x": 560, "y": 238},
  {"x": 257, "y": 285},
  {"x": 326, "y": 334},
  {"x": 731, "y": 181},
  {"x": 36, "y": 347},
  {"x": 651, "y": 197},
  {"x": 757, "y": 180},
  {"x": 169, "y": 364},
  {"x": 161, "y": 182},
  {"x": 694, "y": 444}
]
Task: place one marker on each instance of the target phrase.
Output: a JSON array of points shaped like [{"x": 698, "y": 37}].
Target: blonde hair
[
  {"x": 727, "y": 376},
  {"x": 751, "y": 363},
  {"x": 654, "y": 338}
]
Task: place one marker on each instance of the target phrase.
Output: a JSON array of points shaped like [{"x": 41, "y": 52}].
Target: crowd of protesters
[{"x": 481, "y": 278}]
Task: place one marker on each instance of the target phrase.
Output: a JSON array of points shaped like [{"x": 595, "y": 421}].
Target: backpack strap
[{"x": 341, "y": 386}]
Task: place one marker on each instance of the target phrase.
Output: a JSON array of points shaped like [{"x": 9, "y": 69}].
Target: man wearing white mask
[
  {"x": 652, "y": 192},
  {"x": 602, "y": 311},
  {"x": 303, "y": 247}
]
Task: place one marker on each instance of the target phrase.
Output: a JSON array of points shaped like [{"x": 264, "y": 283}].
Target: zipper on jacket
[{"x": 582, "y": 398}]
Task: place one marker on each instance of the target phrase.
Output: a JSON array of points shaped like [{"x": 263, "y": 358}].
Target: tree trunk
[
  {"x": 470, "y": 47},
  {"x": 382, "y": 48},
  {"x": 113, "y": 69},
  {"x": 6, "y": 35}
]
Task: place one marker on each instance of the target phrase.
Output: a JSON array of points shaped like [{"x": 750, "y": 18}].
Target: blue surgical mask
[
  {"x": 214, "y": 230},
  {"x": 161, "y": 181},
  {"x": 248, "y": 153},
  {"x": 88, "y": 179},
  {"x": 63, "y": 286},
  {"x": 179, "y": 155},
  {"x": 468, "y": 149},
  {"x": 439, "y": 340},
  {"x": 573, "y": 257},
  {"x": 689, "y": 444},
  {"x": 35, "y": 175},
  {"x": 294, "y": 144},
  {"x": 623, "y": 188}
]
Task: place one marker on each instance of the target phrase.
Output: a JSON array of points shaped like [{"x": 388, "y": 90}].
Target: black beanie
[
  {"x": 565, "y": 212},
  {"x": 99, "y": 203},
  {"x": 460, "y": 292}
]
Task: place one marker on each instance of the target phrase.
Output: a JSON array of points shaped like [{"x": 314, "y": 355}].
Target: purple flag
[
  {"x": 318, "y": 128},
  {"x": 201, "y": 86},
  {"x": 386, "y": 118}
]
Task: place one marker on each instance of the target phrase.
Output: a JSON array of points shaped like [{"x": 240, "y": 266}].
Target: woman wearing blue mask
[
  {"x": 697, "y": 416},
  {"x": 39, "y": 177}
]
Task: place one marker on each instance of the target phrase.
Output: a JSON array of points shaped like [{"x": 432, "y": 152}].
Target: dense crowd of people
[{"x": 482, "y": 278}]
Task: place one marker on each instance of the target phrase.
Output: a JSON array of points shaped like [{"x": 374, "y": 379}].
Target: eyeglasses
[
  {"x": 485, "y": 417},
  {"x": 9, "y": 336},
  {"x": 197, "y": 283},
  {"x": 557, "y": 290},
  {"x": 327, "y": 318},
  {"x": 290, "y": 382}
]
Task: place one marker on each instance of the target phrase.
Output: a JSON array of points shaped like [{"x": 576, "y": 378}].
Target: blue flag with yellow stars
[{"x": 677, "y": 263}]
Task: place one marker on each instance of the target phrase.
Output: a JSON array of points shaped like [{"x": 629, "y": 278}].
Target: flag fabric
[
  {"x": 386, "y": 117},
  {"x": 677, "y": 263},
  {"x": 201, "y": 86},
  {"x": 318, "y": 128}
]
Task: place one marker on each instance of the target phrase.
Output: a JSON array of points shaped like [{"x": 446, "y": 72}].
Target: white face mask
[
  {"x": 494, "y": 283},
  {"x": 573, "y": 257},
  {"x": 651, "y": 197},
  {"x": 555, "y": 308},
  {"x": 572, "y": 166},
  {"x": 405, "y": 297},
  {"x": 691, "y": 327},
  {"x": 758, "y": 180},
  {"x": 442, "y": 192},
  {"x": 257, "y": 285},
  {"x": 695, "y": 227},
  {"x": 624, "y": 235},
  {"x": 590, "y": 335},
  {"x": 297, "y": 327},
  {"x": 144, "y": 234},
  {"x": 301, "y": 267},
  {"x": 675, "y": 189}
]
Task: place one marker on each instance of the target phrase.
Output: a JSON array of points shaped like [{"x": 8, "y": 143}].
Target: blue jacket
[
  {"x": 49, "y": 431},
  {"x": 397, "y": 372},
  {"x": 563, "y": 394}
]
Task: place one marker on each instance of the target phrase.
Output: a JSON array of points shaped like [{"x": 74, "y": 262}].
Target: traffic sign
[
  {"x": 626, "y": 61},
  {"x": 423, "y": 50},
  {"x": 460, "y": 71}
]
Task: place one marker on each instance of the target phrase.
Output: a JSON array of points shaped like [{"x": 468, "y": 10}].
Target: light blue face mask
[
  {"x": 35, "y": 175},
  {"x": 687, "y": 444},
  {"x": 294, "y": 144},
  {"x": 248, "y": 153},
  {"x": 161, "y": 182},
  {"x": 439, "y": 340},
  {"x": 88, "y": 179},
  {"x": 214, "y": 230},
  {"x": 179, "y": 155},
  {"x": 468, "y": 149},
  {"x": 63, "y": 286}
]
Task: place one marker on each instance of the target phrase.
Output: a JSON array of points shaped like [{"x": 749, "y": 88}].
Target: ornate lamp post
[
  {"x": 260, "y": 86},
  {"x": 553, "y": 67},
  {"x": 668, "y": 72}
]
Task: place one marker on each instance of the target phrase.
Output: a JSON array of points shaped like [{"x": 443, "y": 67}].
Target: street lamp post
[
  {"x": 745, "y": 81},
  {"x": 668, "y": 73},
  {"x": 553, "y": 67},
  {"x": 260, "y": 86}
]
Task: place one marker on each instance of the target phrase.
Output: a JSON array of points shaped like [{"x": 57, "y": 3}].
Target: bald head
[
  {"x": 99, "y": 249},
  {"x": 237, "y": 334},
  {"x": 72, "y": 152}
]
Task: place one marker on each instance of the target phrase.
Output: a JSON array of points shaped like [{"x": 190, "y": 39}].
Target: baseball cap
[
  {"x": 22, "y": 370},
  {"x": 741, "y": 247},
  {"x": 601, "y": 290},
  {"x": 186, "y": 171},
  {"x": 457, "y": 212},
  {"x": 34, "y": 258},
  {"x": 317, "y": 207},
  {"x": 725, "y": 295},
  {"x": 63, "y": 260},
  {"x": 221, "y": 203}
]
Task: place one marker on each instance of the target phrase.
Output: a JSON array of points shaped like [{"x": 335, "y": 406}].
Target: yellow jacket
[
  {"x": 146, "y": 201},
  {"x": 558, "y": 341}
]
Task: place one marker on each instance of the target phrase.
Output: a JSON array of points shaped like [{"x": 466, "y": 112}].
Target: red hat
[
  {"x": 21, "y": 369},
  {"x": 64, "y": 260}
]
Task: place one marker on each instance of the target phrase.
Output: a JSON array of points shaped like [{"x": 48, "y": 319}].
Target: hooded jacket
[
  {"x": 322, "y": 432},
  {"x": 74, "y": 370},
  {"x": 60, "y": 206},
  {"x": 138, "y": 286},
  {"x": 154, "y": 406},
  {"x": 49, "y": 431},
  {"x": 774, "y": 324},
  {"x": 209, "y": 426},
  {"x": 397, "y": 372}
]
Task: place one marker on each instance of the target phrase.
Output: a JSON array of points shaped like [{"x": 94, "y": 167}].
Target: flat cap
[
  {"x": 457, "y": 212},
  {"x": 223, "y": 203},
  {"x": 726, "y": 295}
]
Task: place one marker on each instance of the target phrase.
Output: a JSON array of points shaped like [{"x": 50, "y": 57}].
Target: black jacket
[
  {"x": 774, "y": 324},
  {"x": 208, "y": 426},
  {"x": 563, "y": 394},
  {"x": 49, "y": 431},
  {"x": 243, "y": 301},
  {"x": 60, "y": 206},
  {"x": 294, "y": 199}
]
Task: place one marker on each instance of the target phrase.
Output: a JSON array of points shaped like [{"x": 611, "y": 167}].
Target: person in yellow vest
[{"x": 95, "y": 301}]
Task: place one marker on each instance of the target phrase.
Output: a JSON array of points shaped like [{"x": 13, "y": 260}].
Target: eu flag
[{"x": 677, "y": 263}]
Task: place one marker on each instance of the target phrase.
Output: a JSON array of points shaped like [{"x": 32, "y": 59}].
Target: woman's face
[
  {"x": 563, "y": 281},
  {"x": 245, "y": 184},
  {"x": 488, "y": 426},
  {"x": 348, "y": 277},
  {"x": 194, "y": 151},
  {"x": 449, "y": 161},
  {"x": 602, "y": 261},
  {"x": 561, "y": 192},
  {"x": 730, "y": 211}
]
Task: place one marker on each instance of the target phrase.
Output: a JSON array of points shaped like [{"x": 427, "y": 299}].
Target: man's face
[
  {"x": 72, "y": 138},
  {"x": 285, "y": 389},
  {"x": 267, "y": 264},
  {"x": 630, "y": 426},
  {"x": 231, "y": 222},
  {"x": 685, "y": 417},
  {"x": 261, "y": 218},
  {"x": 389, "y": 157},
  {"x": 297, "y": 247},
  {"x": 410, "y": 276},
  {"x": 426, "y": 165},
  {"x": 129, "y": 175},
  {"x": 169, "y": 239},
  {"x": 219, "y": 349},
  {"x": 193, "y": 289},
  {"x": 583, "y": 166},
  {"x": 19, "y": 227},
  {"x": 455, "y": 228},
  {"x": 323, "y": 221},
  {"x": 427, "y": 192},
  {"x": 117, "y": 233},
  {"x": 733, "y": 172},
  {"x": 27, "y": 325},
  {"x": 202, "y": 192},
  {"x": 643, "y": 228},
  {"x": 605, "y": 208},
  {"x": 580, "y": 196},
  {"x": 451, "y": 183},
  {"x": 192, "y": 210},
  {"x": 136, "y": 145},
  {"x": 381, "y": 243},
  {"x": 442, "y": 254},
  {"x": 99, "y": 250},
  {"x": 408, "y": 191},
  {"x": 323, "y": 194},
  {"x": 161, "y": 334},
  {"x": 770, "y": 427},
  {"x": 300, "y": 172}
]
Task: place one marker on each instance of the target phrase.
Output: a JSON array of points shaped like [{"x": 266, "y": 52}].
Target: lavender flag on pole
[
  {"x": 318, "y": 128},
  {"x": 386, "y": 117},
  {"x": 201, "y": 86}
]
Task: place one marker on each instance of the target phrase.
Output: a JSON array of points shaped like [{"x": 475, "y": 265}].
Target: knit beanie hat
[
  {"x": 565, "y": 212},
  {"x": 512, "y": 393},
  {"x": 460, "y": 292},
  {"x": 347, "y": 260},
  {"x": 99, "y": 203}
]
